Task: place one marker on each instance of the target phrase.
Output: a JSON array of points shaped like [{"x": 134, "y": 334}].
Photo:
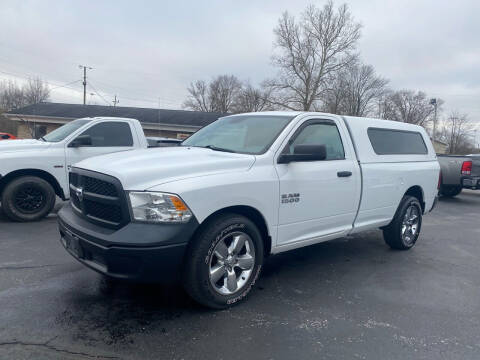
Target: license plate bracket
[{"x": 73, "y": 244}]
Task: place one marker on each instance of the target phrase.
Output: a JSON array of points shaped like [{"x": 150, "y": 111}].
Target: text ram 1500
[
  {"x": 32, "y": 172},
  {"x": 244, "y": 187}
]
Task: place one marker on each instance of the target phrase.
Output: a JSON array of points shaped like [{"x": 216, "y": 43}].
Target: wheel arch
[
  {"x": 417, "y": 192},
  {"x": 252, "y": 214},
  {"x": 32, "y": 172}
]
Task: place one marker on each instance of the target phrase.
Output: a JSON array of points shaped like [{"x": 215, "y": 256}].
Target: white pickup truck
[
  {"x": 245, "y": 187},
  {"x": 32, "y": 172}
]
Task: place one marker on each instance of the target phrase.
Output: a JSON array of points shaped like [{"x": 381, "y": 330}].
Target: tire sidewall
[
  {"x": 408, "y": 203},
  {"x": 8, "y": 199},
  {"x": 227, "y": 226}
]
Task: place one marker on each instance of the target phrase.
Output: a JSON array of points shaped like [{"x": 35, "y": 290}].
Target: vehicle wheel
[
  {"x": 223, "y": 261},
  {"x": 402, "y": 233},
  {"x": 28, "y": 198},
  {"x": 450, "y": 191}
]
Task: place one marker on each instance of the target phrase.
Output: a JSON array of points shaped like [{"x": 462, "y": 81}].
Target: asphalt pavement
[{"x": 351, "y": 298}]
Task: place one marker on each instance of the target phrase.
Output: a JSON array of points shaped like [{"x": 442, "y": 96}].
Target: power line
[
  {"x": 66, "y": 85},
  {"x": 96, "y": 92},
  {"x": 48, "y": 83}
]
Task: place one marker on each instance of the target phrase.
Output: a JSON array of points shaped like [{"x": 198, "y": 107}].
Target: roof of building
[{"x": 145, "y": 115}]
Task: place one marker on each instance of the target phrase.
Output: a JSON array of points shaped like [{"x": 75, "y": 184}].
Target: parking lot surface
[{"x": 344, "y": 299}]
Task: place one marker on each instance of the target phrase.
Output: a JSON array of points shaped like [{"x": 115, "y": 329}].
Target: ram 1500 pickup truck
[
  {"x": 458, "y": 172},
  {"x": 32, "y": 172},
  {"x": 244, "y": 187}
]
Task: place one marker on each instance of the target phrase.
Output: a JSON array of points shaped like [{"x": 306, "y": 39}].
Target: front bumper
[
  {"x": 471, "y": 182},
  {"x": 137, "y": 251}
]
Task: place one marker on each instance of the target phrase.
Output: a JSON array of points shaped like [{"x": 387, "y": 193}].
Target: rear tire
[
  {"x": 402, "y": 233},
  {"x": 450, "y": 190},
  {"x": 223, "y": 261},
  {"x": 28, "y": 198}
]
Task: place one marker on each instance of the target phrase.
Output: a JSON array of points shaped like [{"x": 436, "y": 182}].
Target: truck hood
[
  {"x": 143, "y": 169},
  {"x": 23, "y": 145}
]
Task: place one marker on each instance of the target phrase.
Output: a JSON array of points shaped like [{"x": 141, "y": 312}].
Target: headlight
[{"x": 158, "y": 207}]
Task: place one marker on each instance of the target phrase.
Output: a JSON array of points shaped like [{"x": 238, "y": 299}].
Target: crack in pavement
[
  {"x": 28, "y": 267},
  {"x": 47, "y": 345}
]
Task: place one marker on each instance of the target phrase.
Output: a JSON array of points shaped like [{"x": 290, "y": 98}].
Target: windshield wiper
[
  {"x": 42, "y": 138},
  {"x": 216, "y": 148}
]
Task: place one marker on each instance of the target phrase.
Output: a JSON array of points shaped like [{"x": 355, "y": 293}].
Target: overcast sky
[{"x": 147, "y": 52}]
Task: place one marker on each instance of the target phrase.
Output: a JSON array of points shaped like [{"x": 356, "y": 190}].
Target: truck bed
[{"x": 451, "y": 166}]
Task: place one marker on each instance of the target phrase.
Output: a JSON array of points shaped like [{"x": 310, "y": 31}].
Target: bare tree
[
  {"x": 355, "y": 91},
  {"x": 410, "y": 107},
  {"x": 198, "y": 98},
  {"x": 251, "y": 99},
  {"x": 310, "y": 50},
  {"x": 219, "y": 95},
  {"x": 35, "y": 91},
  {"x": 457, "y": 131},
  {"x": 12, "y": 96}
]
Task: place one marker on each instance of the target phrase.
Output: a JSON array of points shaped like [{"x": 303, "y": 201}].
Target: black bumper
[
  {"x": 471, "y": 182},
  {"x": 140, "y": 252}
]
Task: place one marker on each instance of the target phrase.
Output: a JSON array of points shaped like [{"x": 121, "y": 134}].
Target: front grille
[
  {"x": 100, "y": 187},
  {"x": 101, "y": 211},
  {"x": 98, "y": 198}
]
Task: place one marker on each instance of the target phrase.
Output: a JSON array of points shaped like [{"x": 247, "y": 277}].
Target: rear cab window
[{"x": 396, "y": 142}]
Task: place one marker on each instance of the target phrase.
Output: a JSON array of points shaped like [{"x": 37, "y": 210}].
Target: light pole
[{"x": 434, "y": 103}]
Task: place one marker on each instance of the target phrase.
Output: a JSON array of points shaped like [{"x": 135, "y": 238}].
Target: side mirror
[
  {"x": 304, "y": 153},
  {"x": 81, "y": 140}
]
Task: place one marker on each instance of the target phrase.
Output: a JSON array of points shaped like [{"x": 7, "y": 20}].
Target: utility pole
[
  {"x": 115, "y": 101},
  {"x": 434, "y": 103},
  {"x": 84, "y": 82}
]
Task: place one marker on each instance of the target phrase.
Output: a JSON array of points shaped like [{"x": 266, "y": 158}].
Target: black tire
[
  {"x": 200, "y": 255},
  {"x": 28, "y": 198},
  {"x": 394, "y": 234},
  {"x": 450, "y": 190}
]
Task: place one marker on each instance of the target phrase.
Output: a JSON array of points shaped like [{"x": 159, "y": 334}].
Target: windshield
[
  {"x": 63, "y": 131},
  {"x": 247, "y": 134}
]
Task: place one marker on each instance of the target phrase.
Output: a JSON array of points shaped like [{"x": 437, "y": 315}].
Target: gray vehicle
[{"x": 458, "y": 172}]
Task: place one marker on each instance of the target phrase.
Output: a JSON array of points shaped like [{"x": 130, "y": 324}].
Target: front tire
[
  {"x": 402, "y": 233},
  {"x": 28, "y": 198},
  {"x": 223, "y": 261}
]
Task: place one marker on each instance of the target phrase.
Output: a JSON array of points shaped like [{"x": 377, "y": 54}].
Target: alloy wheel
[{"x": 231, "y": 264}]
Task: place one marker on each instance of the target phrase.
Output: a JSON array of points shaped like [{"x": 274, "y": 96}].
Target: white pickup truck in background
[
  {"x": 244, "y": 187},
  {"x": 32, "y": 172}
]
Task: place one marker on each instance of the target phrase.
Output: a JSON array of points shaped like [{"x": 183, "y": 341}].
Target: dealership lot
[{"x": 348, "y": 298}]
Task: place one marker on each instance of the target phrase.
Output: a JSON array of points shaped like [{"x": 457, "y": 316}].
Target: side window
[
  {"x": 110, "y": 134},
  {"x": 5, "y": 137},
  {"x": 396, "y": 142},
  {"x": 321, "y": 133}
]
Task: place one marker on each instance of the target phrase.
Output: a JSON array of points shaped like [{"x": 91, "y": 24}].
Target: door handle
[{"x": 344, "y": 173}]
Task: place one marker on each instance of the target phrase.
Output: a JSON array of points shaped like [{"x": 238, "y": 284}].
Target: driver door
[
  {"x": 318, "y": 198},
  {"x": 106, "y": 137}
]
